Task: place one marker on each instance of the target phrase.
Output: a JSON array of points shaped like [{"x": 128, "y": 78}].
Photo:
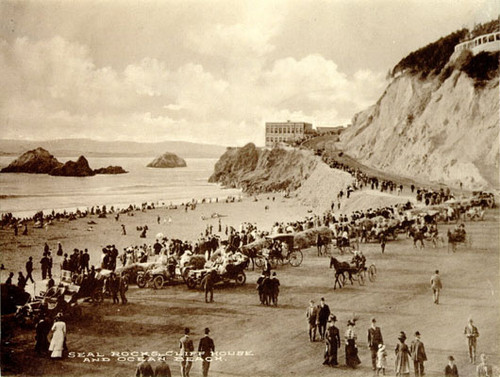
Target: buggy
[{"x": 278, "y": 255}]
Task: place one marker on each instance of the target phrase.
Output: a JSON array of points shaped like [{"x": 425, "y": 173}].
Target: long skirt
[{"x": 351, "y": 354}]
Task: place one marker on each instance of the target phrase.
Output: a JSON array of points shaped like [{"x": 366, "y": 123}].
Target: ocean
[{"x": 24, "y": 194}]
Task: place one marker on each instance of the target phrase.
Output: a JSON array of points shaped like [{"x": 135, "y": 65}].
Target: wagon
[
  {"x": 234, "y": 274},
  {"x": 277, "y": 256}
]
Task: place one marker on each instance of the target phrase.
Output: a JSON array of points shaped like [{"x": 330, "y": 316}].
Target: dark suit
[
  {"x": 418, "y": 355},
  {"x": 374, "y": 339},
  {"x": 312, "y": 318},
  {"x": 323, "y": 314},
  {"x": 144, "y": 369},
  {"x": 206, "y": 347},
  {"x": 332, "y": 346},
  {"x": 163, "y": 370}
]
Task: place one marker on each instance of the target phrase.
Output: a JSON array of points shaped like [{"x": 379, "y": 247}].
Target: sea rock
[
  {"x": 37, "y": 161},
  {"x": 111, "y": 170},
  {"x": 80, "y": 168},
  {"x": 167, "y": 160}
]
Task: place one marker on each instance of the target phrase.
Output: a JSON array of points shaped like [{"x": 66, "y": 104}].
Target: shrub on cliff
[{"x": 482, "y": 67}]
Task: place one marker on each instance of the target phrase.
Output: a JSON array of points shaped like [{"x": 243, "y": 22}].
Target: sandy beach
[{"x": 154, "y": 320}]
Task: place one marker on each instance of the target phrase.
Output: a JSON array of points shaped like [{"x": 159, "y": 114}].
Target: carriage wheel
[
  {"x": 158, "y": 282},
  {"x": 141, "y": 281},
  {"x": 372, "y": 273},
  {"x": 361, "y": 277},
  {"x": 295, "y": 258},
  {"x": 259, "y": 262},
  {"x": 241, "y": 278},
  {"x": 191, "y": 283}
]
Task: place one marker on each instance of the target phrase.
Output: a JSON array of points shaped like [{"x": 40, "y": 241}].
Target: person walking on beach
[
  {"x": 436, "y": 286},
  {"x": 332, "y": 343},
  {"x": 208, "y": 286},
  {"x": 205, "y": 348},
  {"x": 312, "y": 317},
  {"x": 124, "y": 232},
  {"x": 374, "y": 340},
  {"x": 381, "y": 359},
  {"x": 186, "y": 353},
  {"x": 451, "y": 369},
  {"x": 144, "y": 369},
  {"x": 351, "y": 350},
  {"x": 162, "y": 370},
  {"x": 323, "y": 315},
  {"x": 402, "y": 356},
  {"x": 418, "y": 355},
  {"x": 29, "y": 270},
  {"x": 383, "y": 241},
  {"x": 472, "y": 334},
  {"x": 44, "y": 263},
  {"x": 484, "y": 369},
  {"x": 58, "y": 337}
]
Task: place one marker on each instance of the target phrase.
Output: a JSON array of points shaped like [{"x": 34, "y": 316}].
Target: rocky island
[
  {"x": 40, "y": 161},
  {"x": 36, "y": 161},
  {"x": 167, "y": 160}
]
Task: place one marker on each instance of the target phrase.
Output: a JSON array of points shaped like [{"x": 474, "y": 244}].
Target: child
[{"x": 381, "y": 359}]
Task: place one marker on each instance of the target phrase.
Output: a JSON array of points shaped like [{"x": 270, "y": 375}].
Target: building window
[
  {"x": 491, "y": 38},
  {"x": 498, "y": 37}
]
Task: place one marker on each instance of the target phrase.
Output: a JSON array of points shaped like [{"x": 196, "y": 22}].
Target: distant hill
[{"x": 93, "y": 148}]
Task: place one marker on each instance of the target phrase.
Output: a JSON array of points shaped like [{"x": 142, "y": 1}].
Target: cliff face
[
  {"x": 258, "y": 170},
  {"x": 167, "y": 160},
  {"x": 37, "y": 161},
  {"x": 80, "y": 168},
  {"x": 434, "y": 129}
]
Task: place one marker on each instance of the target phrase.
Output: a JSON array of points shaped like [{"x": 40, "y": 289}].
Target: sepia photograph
[{"x": 254, "y": 188}]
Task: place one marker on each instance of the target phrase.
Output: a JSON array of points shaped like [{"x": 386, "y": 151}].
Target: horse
[
  {"x": 340, "y": 269},
  {"x": 417, "y": 235}
]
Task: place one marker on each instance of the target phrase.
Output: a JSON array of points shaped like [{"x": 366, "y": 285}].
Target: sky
[{"x": 205, "y": 71}]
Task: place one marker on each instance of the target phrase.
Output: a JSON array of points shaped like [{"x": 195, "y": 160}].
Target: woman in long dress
[
  {"x": 402, "y": 356},
  {"x": 351, "y": 351},
  {"x": 58, "y": 337}
]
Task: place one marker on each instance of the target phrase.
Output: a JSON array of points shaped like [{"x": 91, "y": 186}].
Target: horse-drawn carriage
[
  {"x": 230, "y": 273},
  {"x": 280, "y": 250},
  {"x": 356, "y": 270}
]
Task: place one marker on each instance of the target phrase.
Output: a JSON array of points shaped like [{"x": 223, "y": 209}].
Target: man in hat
[
  {"x": 323, "y": 315},
  {"x": 144, "y": 369},
  {"x": 418, "y": 355},
  {"x": 163, "y": 370},
  {"x": 332, "y": 343},
  {"x": 312, "y": 317},
  {"x": 471, "y": 333},
  {"x": 207, "y": 283},
  {"x": 451, "y": 369},
  {"x": 205, "y": 348},
  {"x": 186, "y": 352},
  {"x": 374, "y": 339},
  {"x": 436, "y": 286}
]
